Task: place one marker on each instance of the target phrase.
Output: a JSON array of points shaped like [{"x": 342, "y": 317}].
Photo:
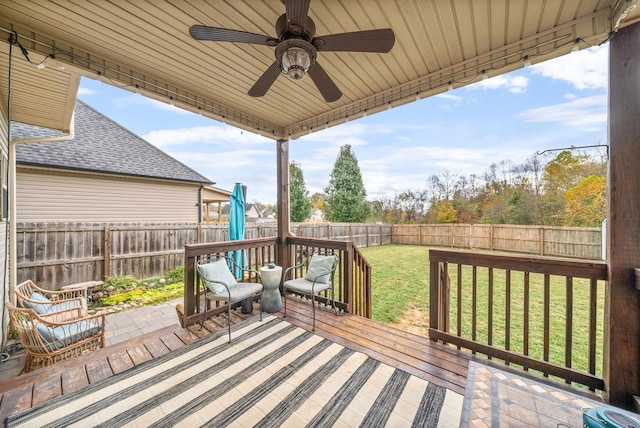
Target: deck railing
[
  {"x": 352, "y": 282},
  {"x": 255, "y": 253},
  {"x": 353, "y": 276},
  {"x": 541, "y": 314}
]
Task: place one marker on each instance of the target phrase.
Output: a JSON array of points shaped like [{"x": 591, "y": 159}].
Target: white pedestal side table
[{"x": 271, "y": 299}]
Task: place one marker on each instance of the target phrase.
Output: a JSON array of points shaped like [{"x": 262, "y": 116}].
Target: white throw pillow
[
  {"x": 216, "y": 271},
  {"x": 320, "y": 268}
]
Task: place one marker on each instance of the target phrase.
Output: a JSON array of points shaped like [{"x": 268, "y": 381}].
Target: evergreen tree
[
  {"x": 345, "y": 196},
  {"x": 298, "y": 195}
]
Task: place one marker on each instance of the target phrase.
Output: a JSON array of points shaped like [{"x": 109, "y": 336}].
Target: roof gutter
[{"x": 13, "y": 227}]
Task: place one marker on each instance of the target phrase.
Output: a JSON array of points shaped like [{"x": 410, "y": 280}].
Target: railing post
[
  {"x": 348, "y": 277},
  {"x": 189, "y": 286},
  {"x": 434, "y": 296},
  {"x": 284, "y": 225}
]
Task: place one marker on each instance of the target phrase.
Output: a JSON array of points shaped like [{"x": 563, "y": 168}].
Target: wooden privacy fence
[
  {"x": 574, "y": 242},
  {"x": 57, "y": 254}
]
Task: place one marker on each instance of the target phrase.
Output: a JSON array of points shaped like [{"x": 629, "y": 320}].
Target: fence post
[
  {"x": 541, "y": 232},
  {"x": 366, "y": 231},
  {"x": 107, "y": 251},
  {"x": 491, "y": 237},
  {"x": 452, "y": 237}
]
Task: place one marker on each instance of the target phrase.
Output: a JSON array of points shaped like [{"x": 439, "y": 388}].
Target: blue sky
[{"x": 558, "y": 103}]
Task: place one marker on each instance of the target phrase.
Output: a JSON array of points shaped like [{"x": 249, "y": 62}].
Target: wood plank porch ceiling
[{"x": 128, "y": 43}]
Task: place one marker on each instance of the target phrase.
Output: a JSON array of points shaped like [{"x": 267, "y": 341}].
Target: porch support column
[
  {"x": 622, "y": 307},
  {"x": 283, "y": 202}
]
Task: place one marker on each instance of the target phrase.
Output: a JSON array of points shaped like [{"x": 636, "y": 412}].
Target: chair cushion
[
  {"x": 47, "y": 307},
  {"x": 319, "y": 268},
  {"x": 216, "y": 271},
  {"x": 303, "y": 285},
  {"x": 39, "y": 308},
  {"x": 240, "y": 291},
  {"x": 65, "y": 335}
]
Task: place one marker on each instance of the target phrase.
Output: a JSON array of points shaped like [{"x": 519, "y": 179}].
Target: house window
[{"x": 5, "y": 190}]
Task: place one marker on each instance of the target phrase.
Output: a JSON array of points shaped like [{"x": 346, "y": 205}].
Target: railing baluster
[
  {"x": 545, "y": 327},
  {"x": 459, "y": 302},
  {"x": 568, "y": 347},
  {"x": 525, "y": 311},
  {"x": 593, "y": 308},
  {"x": 507, "y": 312},
  {"x": 490, "y": 309},
  {"x": 474, "y": 303}
]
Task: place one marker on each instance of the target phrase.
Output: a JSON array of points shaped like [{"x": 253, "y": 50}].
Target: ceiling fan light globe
[
  {"x": 295, "y": 73},
  {"x": 295, "y": 58}
]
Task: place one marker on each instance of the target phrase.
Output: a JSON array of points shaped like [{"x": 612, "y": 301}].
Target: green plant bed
[
  {"x": 147, "y": 296},
  {"x": 128, "y": 289}
]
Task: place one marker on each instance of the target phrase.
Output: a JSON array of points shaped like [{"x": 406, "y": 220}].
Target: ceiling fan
[{"x": 297, "y": 45}]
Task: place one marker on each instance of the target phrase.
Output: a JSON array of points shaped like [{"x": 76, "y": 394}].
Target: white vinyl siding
[{"x": 65, "y": 196}]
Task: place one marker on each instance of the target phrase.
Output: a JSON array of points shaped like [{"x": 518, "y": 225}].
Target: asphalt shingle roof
[{"x": 99, "y": 145}]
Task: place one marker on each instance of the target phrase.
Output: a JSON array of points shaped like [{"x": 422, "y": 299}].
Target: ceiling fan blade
[
  {"x": 380, "y": 41},
  {"x": 202, "y": 32},
  {"x": 297, "y": 12},
  {"x": 325, "y": 84},
  {"x": 265, "y": 81}
]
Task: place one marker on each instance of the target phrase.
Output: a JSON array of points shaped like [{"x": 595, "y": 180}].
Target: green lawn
[{"x": 400, "y": 295}]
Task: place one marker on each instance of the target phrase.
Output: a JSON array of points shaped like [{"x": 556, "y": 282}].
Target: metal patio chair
[{"x": 319, "y": 276}]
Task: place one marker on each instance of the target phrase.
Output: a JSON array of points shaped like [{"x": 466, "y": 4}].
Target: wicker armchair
[
  {"x": 56, "y": 305},
  {"x": 47, "y": 341}
]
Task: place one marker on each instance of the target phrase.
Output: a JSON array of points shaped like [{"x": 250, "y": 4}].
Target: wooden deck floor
[{"x": 417, "y": 355}]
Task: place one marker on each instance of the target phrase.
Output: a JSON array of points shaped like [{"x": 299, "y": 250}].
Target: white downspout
[{"x": 13, "y": 229}]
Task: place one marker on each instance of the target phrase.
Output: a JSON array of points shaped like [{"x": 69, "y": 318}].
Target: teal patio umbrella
[{"x": 236, "y": 223}]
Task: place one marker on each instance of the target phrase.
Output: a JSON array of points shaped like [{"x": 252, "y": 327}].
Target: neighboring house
[
  {"x": 316, "y": 215},
  {"x": 267, "y": 213},
  {"x": 251, "y": 212},
  {"x": 212, "y": 199},
  {"x": 105, "y": 173}
]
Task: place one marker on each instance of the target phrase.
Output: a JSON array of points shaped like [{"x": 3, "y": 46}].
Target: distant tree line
[{"x": 568, "y": 190}]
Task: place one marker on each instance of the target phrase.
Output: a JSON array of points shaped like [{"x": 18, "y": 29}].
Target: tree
[
  {"x": 298, "y": 195},
  {"x": 345, "y": 196},
  {"x": 586, "y": 202},
  {"x": 317, "y": 200}
]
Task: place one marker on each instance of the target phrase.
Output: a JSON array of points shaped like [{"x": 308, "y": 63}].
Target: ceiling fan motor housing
[{"x": 294, "y": 52}]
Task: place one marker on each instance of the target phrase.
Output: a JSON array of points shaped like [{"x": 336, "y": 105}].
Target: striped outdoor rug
[{"x": 272, "y": 374}]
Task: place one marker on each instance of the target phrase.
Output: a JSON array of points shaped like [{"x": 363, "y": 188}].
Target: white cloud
[
  {"x": 586, "y": 69},
  {"x": 85, "y": 91},
  {"x": 514, "y": 84},
  {"x": 448, "y": 96},
  {"x": 587, "y": 114}
]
